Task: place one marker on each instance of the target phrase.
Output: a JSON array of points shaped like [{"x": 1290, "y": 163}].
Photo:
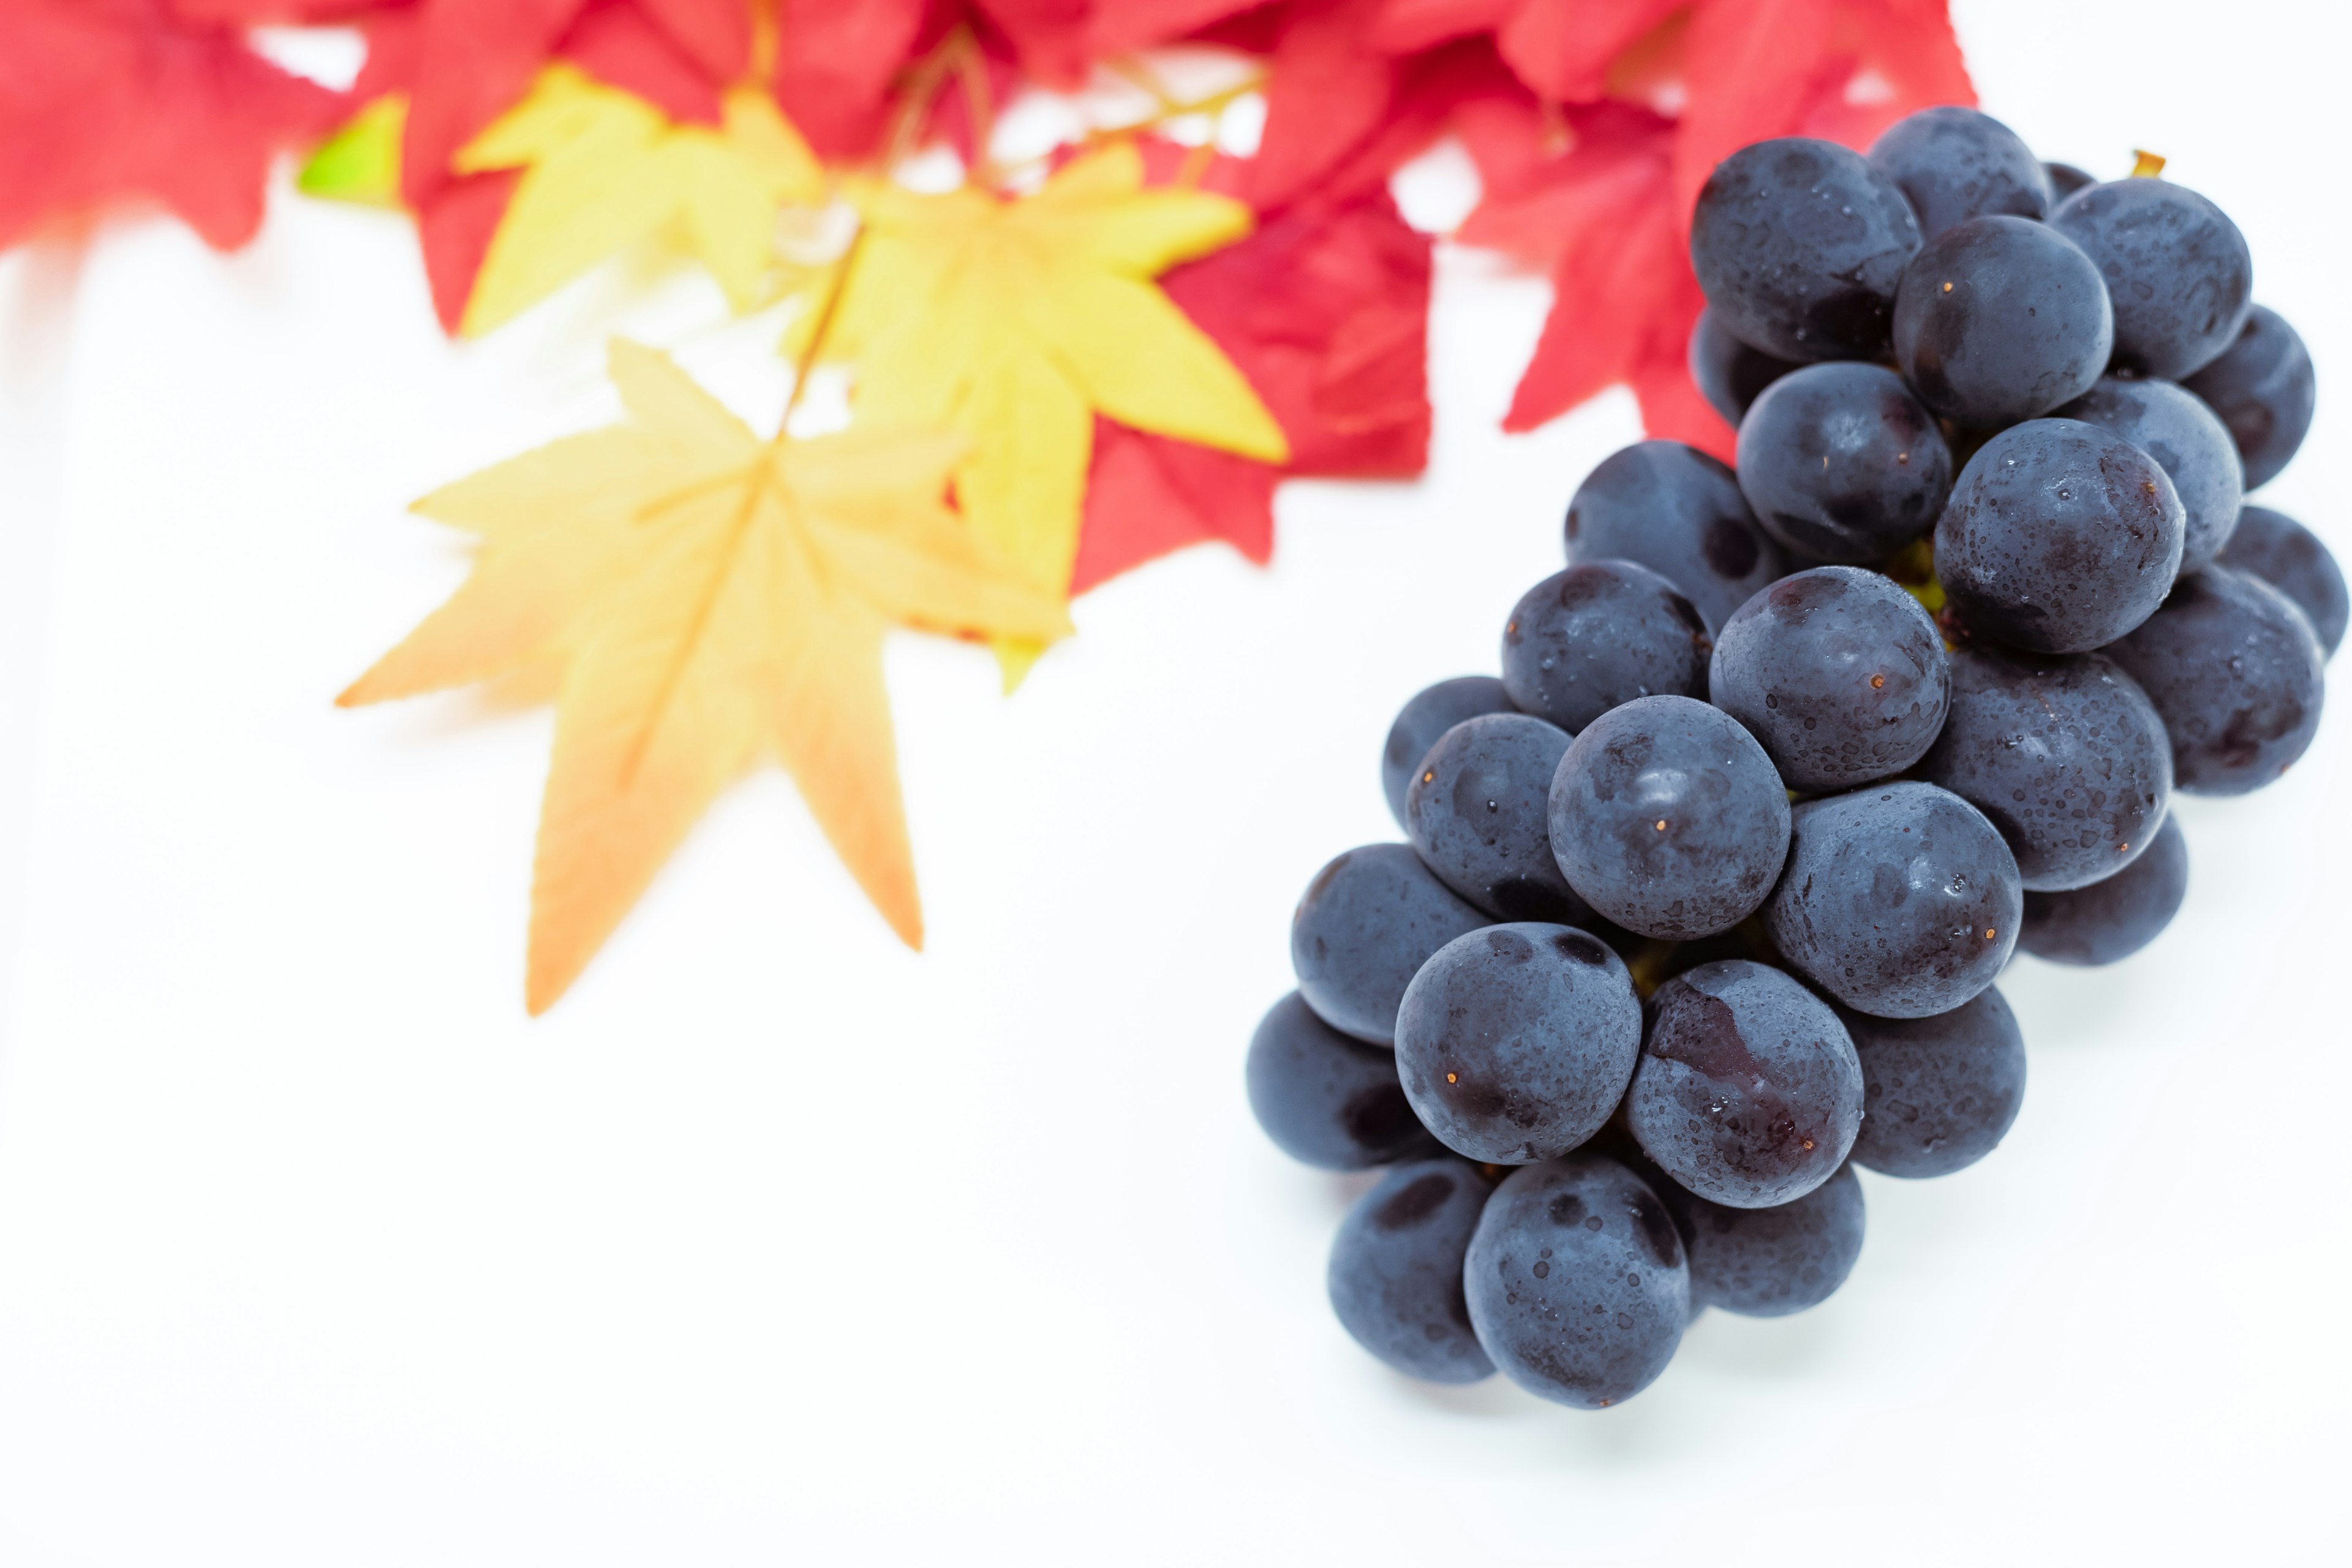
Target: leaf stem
[{"x": 819, "y": 330}]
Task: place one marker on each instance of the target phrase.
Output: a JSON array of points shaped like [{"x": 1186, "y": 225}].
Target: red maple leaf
[
  {"x": 1325, "y": 309},
  {"x": 104, "y": 102}
]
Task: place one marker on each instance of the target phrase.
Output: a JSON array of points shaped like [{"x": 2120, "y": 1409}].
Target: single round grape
[
  {"x": 2114, "y": 918},
  {"x": 1838, "y": 673},
  {"x": 2188, "y": 441},
  {"x": 1841, "y": 463},
  {"x": 1577, "y": 1281},
  {"x": 2235, "y": 672},
  {"x": 1601, "y": 632},
  {"x": 1478, "y": 816},
  {"x": 1747, "y": 1093},
  {"x": 1953, "y": 164},
  {"x": 2065, "y": 180},
  {"x": 2059, "y": 537},
  {"x": 1770, "y": 1262},
  {"x": 1679, "y": 512},
  {"x": 1728, "y": 372},
  {"x": 1431, "y": 712},
  {"x": 1798, "y": 244},
  {"x": 2000, "y": 320},
  {"x": 1938, "y": 1092},
  {"x": 2176, "y": 269},
  {"x": 1367, "y": 923},
  {"x": 1899, "y": 900},
  {"x": 1668, "y": 819},
  {"x": 2262, "y": 387},
  {"x": 1395, "y": 1277},
  {"x": 1514, "y": 1043},
  {"x": 2289, "y": 557},
  {"x": 2063, "y": 753},
  {"x": 1327, "y": 1101}
]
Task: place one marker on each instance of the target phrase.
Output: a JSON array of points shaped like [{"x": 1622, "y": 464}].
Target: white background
[{"x": 775, "y": 1242}]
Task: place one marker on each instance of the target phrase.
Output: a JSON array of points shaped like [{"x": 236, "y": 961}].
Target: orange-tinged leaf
[
  {"x": 711, "y": 599},
  {"x": 1015, "y": 322}
]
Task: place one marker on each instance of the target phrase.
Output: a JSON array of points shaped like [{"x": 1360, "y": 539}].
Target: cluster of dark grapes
[{"x": 1704, "y": 900}]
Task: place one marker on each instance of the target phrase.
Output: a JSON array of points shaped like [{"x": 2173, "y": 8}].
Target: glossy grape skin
[
  {"x": 1516, "y": 1043},
  {"x": 2289, "y": 557},
  {"x": 2234, "y": 670},
  {"x": 1667, "y": 819},
  {"x": 1747, "y": 1093},
  {"x": 2188, "y": 441},
  {"x": 1601, "y": 632},
  {"x": 1798, "y": 244},
  {"x": 1899, "y": 900},
  {"x": 2065, "y": 180},
  {"x": 1478, "y": 816},
  {"x": 1770, "y": 1262},
  {"x": 2176, "y": 269},
  {"x": 1367, "y": 923},
  {"x": 1577, "y": 1281},
  {"x": 2000, "y": 320},
  {"x": 2063, "y": 753},
  {"x": 2263, "y": 389},
  {"x": 1431, "y": 712},
  {"x": 2114, "y": 918},
  {"x": 1939, "y": 1093},
  {"x": 1395, "y": 1276},
  {"x": 1728, "y": 372},
  {"x": 1327, "y": 1101},
  {"x": 1837, "y": 672},
  {"x": 2059, "y": 537},
  {"x": 1679, "y": 512},
  {"x": 1953, "y": 164},
  {"x": 1841, "y": 463}
]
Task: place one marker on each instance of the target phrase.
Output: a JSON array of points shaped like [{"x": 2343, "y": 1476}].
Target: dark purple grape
[
  {"x": 1953, "y": 164},
  {"x": 1841, "y": 463},
  {"x": 1899, "y": 900},
  {"x": 2059, "y": 537},
  {"x": 1430, "y": 714},
  {"x": 1728, "y": 372},
  {"x": 1838, "y": 673},
  {"x": 1326, "y": 1099},
  {"x": 1395, "y": 1277},
  {"x": 1798, "y": 244},
  {"x": 1577, "y": 1281},
  {"x": 1368, "y": 922},
  {"x": 1938, "y": 1092},
  {"x": 1678, "y": 511},
  {"x": 2063, "y": 753},
  {"x": 1601, "y": 632},
  {"x": 1668, "y": 819},
  {"x": 2289, "y": 557},
  {"x": 2188, "y": 441},
  {"x": 2263, "y": 388},
  {"x": 1477, "y": 815},
  {"x": 1770, "y": 1262},
  {"x": 2176, "y": 269},
  {"x": 2000, "y": 320},
  {"x": 1747, "y": 1093},
  {"x": 2114, "y": 918},
  {"x": 1514, "y": 1043},
  {"x": 2234, "y": 670},
  {"x": 2065, "y": 179}
]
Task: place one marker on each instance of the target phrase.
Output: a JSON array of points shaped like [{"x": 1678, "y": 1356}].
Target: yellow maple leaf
[
  {"x": 604, "y": 169},
  {"x": 1016, "y": 320},
  {"x": 709, "y": 598}
]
